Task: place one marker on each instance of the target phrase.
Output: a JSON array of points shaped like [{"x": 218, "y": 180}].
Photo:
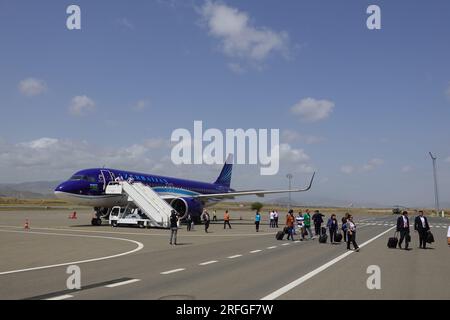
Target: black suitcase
[
  {"x": 323, "y": 238},
  {"x": 393, "y": 241},
  {"x": 323, "y": 230},
  {"x": 286, "y": 230},
  {"x": 338, "y": 237},
  {"x": 430, "y": 237},
  {"x": 279, "y": 235}
]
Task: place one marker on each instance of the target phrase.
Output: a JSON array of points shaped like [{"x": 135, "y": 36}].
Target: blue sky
[{"x": 112, "y": 93}]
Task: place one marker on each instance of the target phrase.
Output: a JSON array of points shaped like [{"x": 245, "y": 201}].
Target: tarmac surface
[{"x": 231, "y": 264}]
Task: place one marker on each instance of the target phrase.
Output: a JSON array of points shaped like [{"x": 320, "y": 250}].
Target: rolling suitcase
[
  {"x": 430, "y": 237},
  {"x": 323, "y": 238},
  {"x": 393, "y": 241},
  {"x": 279, "y": 235},
  {"x": 338, "y": 237}
]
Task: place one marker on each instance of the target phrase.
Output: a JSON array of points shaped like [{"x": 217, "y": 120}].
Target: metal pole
[
  {"x": 289, "y": 176},
  {"x": 436, "y": 193}
]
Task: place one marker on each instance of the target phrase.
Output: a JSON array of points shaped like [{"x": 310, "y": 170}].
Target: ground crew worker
[{"x": 226, "y": 220}]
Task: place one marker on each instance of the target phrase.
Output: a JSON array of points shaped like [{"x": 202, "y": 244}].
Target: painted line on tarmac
[
  {"x": 144, "y": 234},
  {"x": 122, "y": 283},
  {"x": 272, "y": 247},
  {"x": 208, "y": 262},
  {"x": 313, "y": 273},
  {"x": 235, "y": 256},
  {"x": 173, "y": 271},
  {"x": 66, "y": 296},
  {"x": 255, "y": 251},
  {"x": 139, "y": 247}
]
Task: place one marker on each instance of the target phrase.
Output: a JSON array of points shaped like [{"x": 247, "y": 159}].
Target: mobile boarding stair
[{"x": 153, "y": 207}]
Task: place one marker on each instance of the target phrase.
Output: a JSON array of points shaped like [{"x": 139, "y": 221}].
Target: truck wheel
[
  {"x": 114, "y": 223},
  {"x": 141, "y": 224}
]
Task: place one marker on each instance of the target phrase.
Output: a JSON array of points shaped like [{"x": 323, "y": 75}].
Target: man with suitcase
[
  {"x": 403, "y": 228},
  {"x": 422, "y": 227}
]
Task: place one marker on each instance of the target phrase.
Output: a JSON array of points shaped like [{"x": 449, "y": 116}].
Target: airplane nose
[{"x": 60, "y": 190}]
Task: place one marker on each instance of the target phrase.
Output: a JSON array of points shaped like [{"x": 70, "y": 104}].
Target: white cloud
[
  {"x": 311, "y": 110},
  {"x": 81, "y": 105},
  {"x": 236, "y": 68},
  {"x": 155, "y": 143},
  {"x": 293, "y": 136},
  {"x": 125, "y": 23},
  {"x": 406, "y": 169},
  {"x": 372, "y": 164},
  {"x": 238, "y": 37},
  {"x": 347, "y": 169},
  {"x": 50, "y": 158},
  {"x": 294, "y": 160},
  {"x": 141, "y": 105},
  {"x": 32, "y": 86}
]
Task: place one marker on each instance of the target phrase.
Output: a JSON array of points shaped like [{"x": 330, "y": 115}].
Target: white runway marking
[
  {"x": 311, "y": 274},
  {"x": 207, "y": 262},
  {"x": 297, "y": 241},
  {"x": 235, "y": 256},
  {"x": 139, "y": 247},
  {"x": 285, "y": 244},
  {"x": 273, "y": 247},
  {"x": 143, "y": 234},
  {"x": 122, "y": 283},
  {"x": 66, "y": 296},
  {"x": 255, "y": 251},
  {"x": 173, "y": 271}
]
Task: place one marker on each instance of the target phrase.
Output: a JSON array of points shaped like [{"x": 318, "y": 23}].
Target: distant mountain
[{"x": 28, "y": 190}]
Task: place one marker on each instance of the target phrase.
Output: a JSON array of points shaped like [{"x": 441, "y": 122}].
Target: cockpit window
[{"x": 79, "y": 177}]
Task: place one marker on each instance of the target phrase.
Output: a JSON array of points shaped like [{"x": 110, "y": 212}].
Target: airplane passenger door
[{"x": 106, "y": 176}]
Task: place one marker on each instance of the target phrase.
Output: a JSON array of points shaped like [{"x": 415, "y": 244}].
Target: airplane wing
[{"x": 259, "y": 193}]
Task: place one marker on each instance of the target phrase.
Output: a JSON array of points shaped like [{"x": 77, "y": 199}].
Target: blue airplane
[{"x": 87, "y": 187}]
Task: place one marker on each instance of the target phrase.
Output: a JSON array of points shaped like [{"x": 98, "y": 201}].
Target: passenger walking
[
  {"x": 257, "y": 220},
  {"x": 272, "y": 219},
  {"x": 275, "y": 218},
  {"x": 403, "y": 228},
  {"x": 189, "y": 222},
  {"x": 422, "y": 227},
  {"x": 206, "y": 220},
  {"x": 344, "y": 226},
  {"x": 351, "y": 233},
  {"x": 214, "y": 215},
  {"x": 307, "y": 224},
  {"x": 300, "y": 227},
  {"x": 173, "y": 227},
  {"x": 317, "y": 218},
  {"x": 333, "y": 226},
  {"x": 290, "y": 224},
  {"x": 226, "y": 220}
]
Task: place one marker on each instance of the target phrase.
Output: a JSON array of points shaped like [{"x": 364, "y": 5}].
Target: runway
[{"x": 129, "y": 263}]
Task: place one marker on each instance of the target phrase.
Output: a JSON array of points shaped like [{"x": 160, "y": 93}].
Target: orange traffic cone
[{"x": 27, "y": 225}]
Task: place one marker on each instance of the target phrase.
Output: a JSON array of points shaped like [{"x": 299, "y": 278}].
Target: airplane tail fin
[{"x": 224, "y": 178}]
